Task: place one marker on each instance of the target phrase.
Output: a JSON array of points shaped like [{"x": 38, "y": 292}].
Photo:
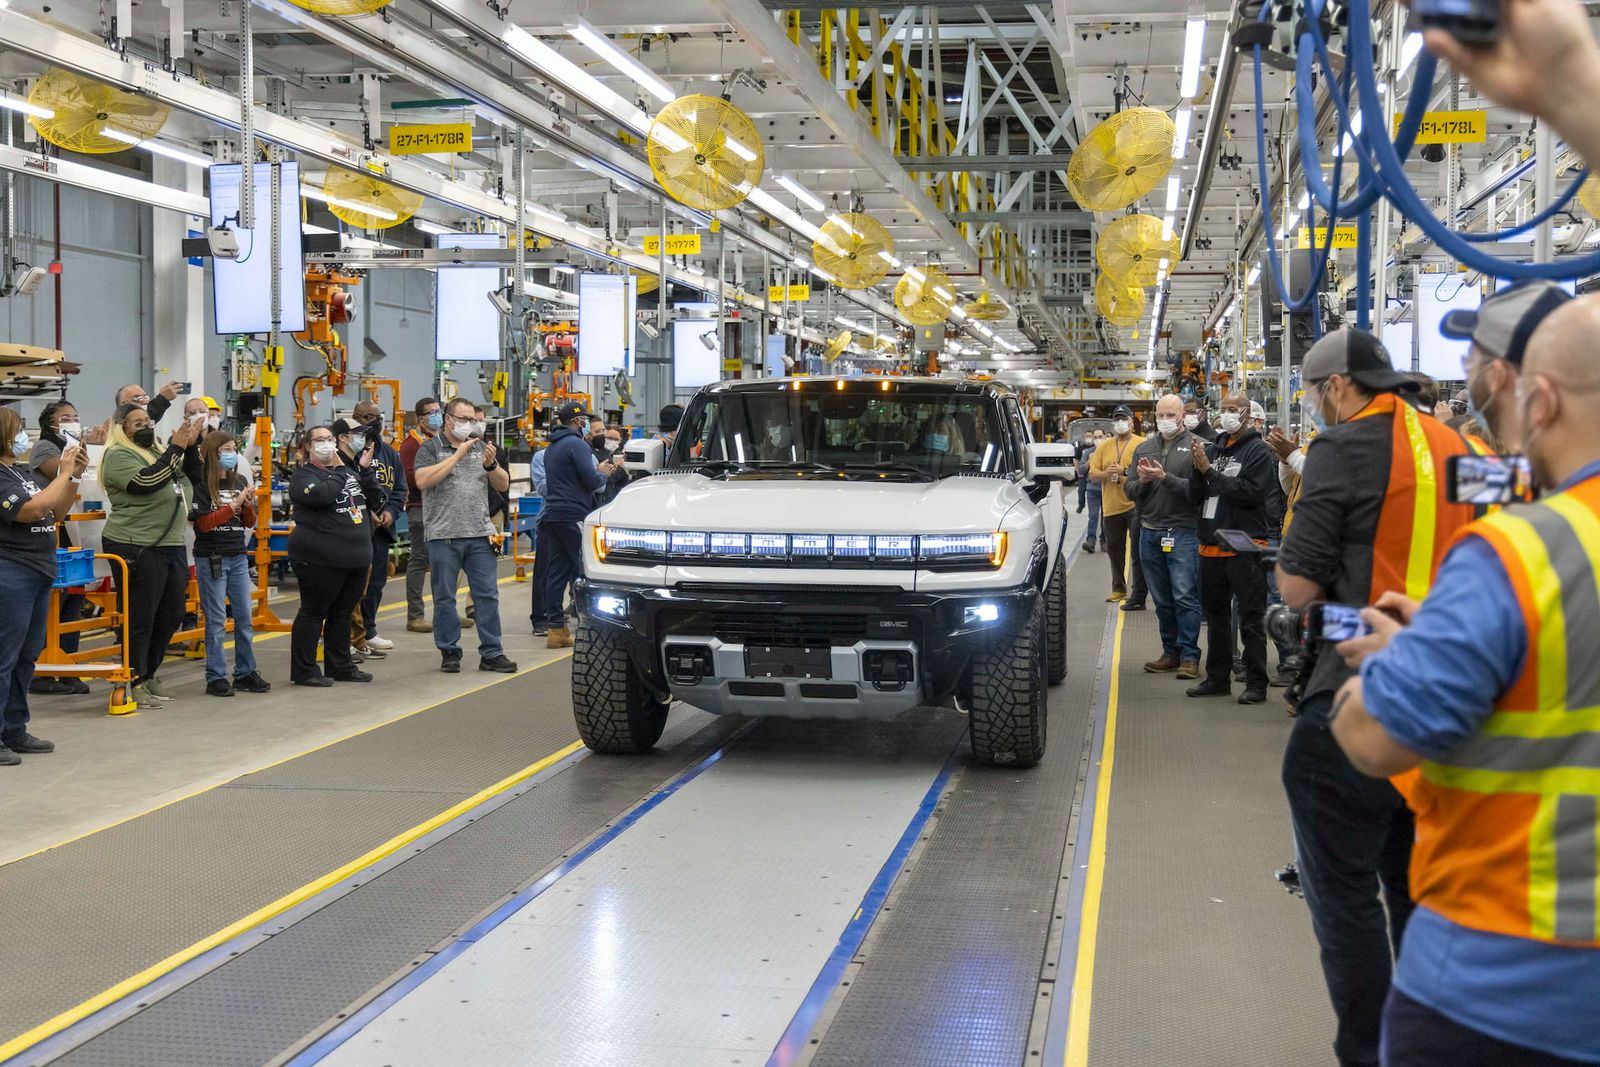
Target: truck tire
[
  {"x": 1007, "y": 716},
  {"x": 1055, "y": 623},
  {"x": 614, "y": 711}
]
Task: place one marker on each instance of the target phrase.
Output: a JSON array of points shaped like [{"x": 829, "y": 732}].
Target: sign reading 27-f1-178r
[
  {"x": 430, "y": 137},
  {"x": 1451, "y": 127},
  {"x": 678, "y": 244}
]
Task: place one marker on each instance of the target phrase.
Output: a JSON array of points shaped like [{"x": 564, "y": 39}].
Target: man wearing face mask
[
  {"x": 389, "y": 468},
  {"x": 1499, "y": 330},
  {"x": 430, "y": 418},
  {"x": 572, "y": 478},
  {"x": 1194, "y": 419},
  {"x": 1488, "y": 689},
  {"x": 1111, "y": 469},
  {"x": 1169, "y": 548},
  {"x": 1372, "y": 518},
  {"x": 455, "y": 470}
]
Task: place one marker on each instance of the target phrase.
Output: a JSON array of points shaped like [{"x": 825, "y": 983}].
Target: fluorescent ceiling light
[
  {"x": 430, "y": 227},
  {"x": 562, "y": 268},
  {"x": 940, "y": 290},
  {"x": 1194, "y": 36},
  {"x": 1250, "y": 279},
  {"x": 1305, "y": 200},
  {"x": 801, "y": 193},
  {"x": 887, "y": 257},
  {"x": 824, "y": 275},
  {"x": 1166, "y": 226},
  {"x": 839, "y": 221},
  {"x": 608, "y": 50},
  {"x": 156, "y": 147},
  {"x": 1294, "y": 220},
  {"x": 1180, "y": 139},
  {"x": 739, "y": 149},
  {"x": 559, "y": 68},
  {"x": 11, "y": 103},
  {"x": 1173, "y": 189},
  {"x": 958, "y": 312},
  {"x": 313, "y": 193},
  {"x": 1408, "y": 53}
]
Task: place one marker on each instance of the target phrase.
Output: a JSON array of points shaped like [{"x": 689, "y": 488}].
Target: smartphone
[
  {"x": 1240, "y": 542},
  {"x": 185, "y": 388},
  {"x": 1468, "y": 21},
  {"x": 1336, "y": 622},
  {"x": 1486, "y": 480}
]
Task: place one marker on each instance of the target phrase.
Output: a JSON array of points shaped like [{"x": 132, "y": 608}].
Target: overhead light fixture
[
  {"x": 1173, "y": 189},
  {"x": 1408, "y": 53},
  {"x": 1180, "y": 139},
  {"x": 1166, "y": 226},
  {"x": 839, "y": 221},
  {"x": 1194, "y": 36},
  {"x": 430, "y": 227},
  {"x": 11, "y": 103},
  {"x": 156, "y": 147},
  {"x": 1305, "y": 200},
  {"x": 1294, "y": 220},
  {"x": 607, "y": 49},
  {"x": 959, "y": 313},
  {"x": 312, "y": 193},
  {"x": 739, "y": 149},
  {"x": 557, "y": 67},
  {"x": 1250, "y": 279},
  {"x": 801, "y": 193},
  {"x": 562, "y": 268},
  {"x": 824, "y": 275}
]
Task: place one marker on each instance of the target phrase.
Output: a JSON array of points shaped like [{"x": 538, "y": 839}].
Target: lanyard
[{"x": 1119, "y": 447}]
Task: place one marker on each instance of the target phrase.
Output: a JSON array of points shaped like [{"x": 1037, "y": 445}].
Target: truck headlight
[
  {"x": 620, "y": 544},
  {"x": 963, "y": 549}
]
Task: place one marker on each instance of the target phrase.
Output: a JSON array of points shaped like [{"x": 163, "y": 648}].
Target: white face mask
[
  {"x": 1121, "y": 427},
  {"x": 476, "y": 428},
  {"x": 213, "y": 422},
  {"x": 73, "y": 430},
  {"x": 324, "y": 450},
  {"x": 1191, "y": 420},
  {"x": 1230, "y": 422},
  {"x": 1168, "y": 427},
  {"x": 612, "y": 444}
]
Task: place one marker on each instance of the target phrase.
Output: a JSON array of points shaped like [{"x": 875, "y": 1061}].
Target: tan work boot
[
  {"x": 419, "y": 626},
  {"x": 1167, "y": 662},
  {"x": 1189, "y": 669},
  {"x": 560, "y": 637}
]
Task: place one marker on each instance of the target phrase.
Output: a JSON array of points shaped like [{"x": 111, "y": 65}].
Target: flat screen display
[
  {"x": 1397, "y": 337},
  {"x": 696, "y": 348},
  {"x": 466, "y": 325},
  {"x": 606, "y": 309},
  {"x": 241, "y": 289},
  {"x": 1437, "y": 295}
]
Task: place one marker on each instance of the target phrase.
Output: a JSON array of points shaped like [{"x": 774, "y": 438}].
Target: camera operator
[
  {"x": 1372, "y": 518},
  {"x": 1233, "y": 476},
  {"x": 1490, "y": 689}
]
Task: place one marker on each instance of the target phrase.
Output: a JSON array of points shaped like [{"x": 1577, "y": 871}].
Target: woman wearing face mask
[
  {"x": 150, "y": 492},
  {"x": 944, "y": 444},
  {"x": 28, "y": 514},
  {"x": 224, "y": 514},
  {"x": 606, "y": 450},
  {"x": 331, "y": 552},
  {"x": 59, "y": 429}
]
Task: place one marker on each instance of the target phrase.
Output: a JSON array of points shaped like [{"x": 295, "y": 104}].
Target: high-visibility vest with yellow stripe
[{"x": 1508, "y": 822}]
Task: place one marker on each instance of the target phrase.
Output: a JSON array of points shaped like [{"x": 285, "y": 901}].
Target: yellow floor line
[
  {"x": 298, "y": 896},
  {"x": 1083, "y": 973},
  {"x": 383, "y": 610}
]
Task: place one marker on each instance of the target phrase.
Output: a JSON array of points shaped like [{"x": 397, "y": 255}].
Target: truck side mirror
[
  {"x": 1053, "y": 460},
  {"x": 644, "y": 455}
]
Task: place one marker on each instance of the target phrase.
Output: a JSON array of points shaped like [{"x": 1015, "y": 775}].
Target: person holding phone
[
  {"x": 430, "y": 420},
  {"x": 224, "y": 516},
  {"x": 59, "y": 430},
  {"x": 390, "y": 469},
  {"x": 1110, "y": 469},
  {"x": 1169, "y": 543}
]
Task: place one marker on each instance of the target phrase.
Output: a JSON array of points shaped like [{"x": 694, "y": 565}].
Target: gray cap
[
  {"x": 1257, "y": 411},
  {"x": 1355, "y": 354},
  {"x": 1502, "y": 324}
]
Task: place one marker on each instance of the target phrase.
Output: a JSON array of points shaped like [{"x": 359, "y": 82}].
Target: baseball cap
[
  {"x": 212, "y": 404},
  {"x": 1122, "y": 409},
  {"x": 565, "y": 413},
  {"x": 346, "y": 426},
  {"x": 1502, "y": 324},
  {"x": 1358, "y": 355},
  {"x": 1257, "y": 411}
]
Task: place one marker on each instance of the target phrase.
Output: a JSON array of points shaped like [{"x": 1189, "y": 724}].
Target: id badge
[{"x": 1167, "y": 542}]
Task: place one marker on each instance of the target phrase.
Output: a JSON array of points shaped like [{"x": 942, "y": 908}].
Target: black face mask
[{"x": 145, "y": 438}]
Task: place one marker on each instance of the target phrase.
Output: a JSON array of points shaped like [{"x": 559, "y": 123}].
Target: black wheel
[
  {"x": 614, "y": 711},
  {"x": 1055, "y": 623},
  {"x": 1008, "y": 697}
]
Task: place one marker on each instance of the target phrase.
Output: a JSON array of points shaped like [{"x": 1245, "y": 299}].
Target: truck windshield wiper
[{"x": 890, "y": 467}]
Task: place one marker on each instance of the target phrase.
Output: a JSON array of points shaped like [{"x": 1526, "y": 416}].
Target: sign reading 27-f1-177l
[
  {"x": 430, "y": 137},
  {"x": 1451, "y": 127}
]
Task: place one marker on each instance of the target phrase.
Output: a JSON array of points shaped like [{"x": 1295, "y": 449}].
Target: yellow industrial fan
[
  {"x": 1122, "y": 305},
  {"x": 1589, "y": 195},
  {"x": 854, "y": 248},
  {"x": 1122, "y": 159},
  {"x": 705, "y": 152},
  {"x": 367, "y": 202},
  {"x": 82, "y": 109},
  {"x": 836, "y": 347},
  {"x": 1130, "y": 249},
  {"x": 925, "y": 295},
  {"x": 648, "y": 283},
  {"x": 986, "y": 308},
  {"x": 341, "y": 7}
]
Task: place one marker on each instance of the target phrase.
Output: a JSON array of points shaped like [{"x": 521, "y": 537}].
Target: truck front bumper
[{"x": 816, "y": 652}]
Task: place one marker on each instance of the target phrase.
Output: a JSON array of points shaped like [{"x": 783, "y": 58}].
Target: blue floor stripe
[
  {"x": 327, "y": 1043},
  {"x": 793, "y": 1042}
]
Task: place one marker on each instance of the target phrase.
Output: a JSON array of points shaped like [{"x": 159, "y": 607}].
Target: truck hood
[{"x": 695, "y": 502}]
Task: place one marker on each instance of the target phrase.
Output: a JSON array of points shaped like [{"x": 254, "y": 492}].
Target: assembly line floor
[{"x": 431, "y": 870}]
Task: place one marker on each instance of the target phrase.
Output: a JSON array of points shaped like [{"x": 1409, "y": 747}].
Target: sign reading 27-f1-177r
[
  {"x": 430, "y": 137},
  {"x": 1451, "y": 127}
]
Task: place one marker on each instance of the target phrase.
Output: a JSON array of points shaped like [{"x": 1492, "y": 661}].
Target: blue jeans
[
  {"x": 448, "y": 557},
  {"x": 26, "y": 594},
  {"x": 1174, "y": 581},
  {"x": 226, "y": 592},
  {"x": 1091, "y": 529}
]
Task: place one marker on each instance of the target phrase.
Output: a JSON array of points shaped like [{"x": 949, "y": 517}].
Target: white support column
[{"x": 179, "y": 291}]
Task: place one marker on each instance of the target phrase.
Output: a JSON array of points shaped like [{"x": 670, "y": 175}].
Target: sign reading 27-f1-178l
[
  {"x": 430, "y": 137},
  {"x": 1451, "y": 127}
]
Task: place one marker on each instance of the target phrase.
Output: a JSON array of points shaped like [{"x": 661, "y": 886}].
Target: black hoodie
[{"x": 1236, "y": 493}]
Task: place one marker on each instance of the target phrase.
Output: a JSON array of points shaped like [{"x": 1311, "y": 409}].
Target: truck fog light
[
  {"x": 611, "y": 605},
  {"x": 976, "y": 614}
]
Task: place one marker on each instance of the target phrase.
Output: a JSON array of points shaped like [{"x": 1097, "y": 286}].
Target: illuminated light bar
[
  {"x": 158, "y": 148},
  {"x": 801, "y": 193},
  {"x": 729, "y": 544},
  {"x": 11, "y": 103},
  {"x": 894, "y": 546},
  {"x": 768, "y": 545},
  {"x": 608, "y": 50},
  {"x": 852, "y": 546},
  {"x": 1174, "y": 190},
  {"x": 688, "y": 542},
  {"x": 739, "y": 149},
  {"x": 559, "y": 68},
  {"x": 1194, "y": 37},
  {"x": 1180, "y": 138},
  {"x": 313, "y": 193},
  {"x": 812, "y": 546}
]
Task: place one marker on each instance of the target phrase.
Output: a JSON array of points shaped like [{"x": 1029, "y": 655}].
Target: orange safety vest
[{"x": 1508, "y": 821}]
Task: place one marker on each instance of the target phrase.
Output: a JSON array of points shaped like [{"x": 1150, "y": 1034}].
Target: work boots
[{"x": 558, "y": 637}]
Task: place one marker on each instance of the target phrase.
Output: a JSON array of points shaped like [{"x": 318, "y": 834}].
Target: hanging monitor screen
[
  {"x": 1437, "y": 295},
  {"x": 696, "y": 351},
  {"x": 466, "y": 324},
  {"x": 1397, "y": 339},
  {"x": 606, "y": 307},
  {"x": 241, "y": 288}
]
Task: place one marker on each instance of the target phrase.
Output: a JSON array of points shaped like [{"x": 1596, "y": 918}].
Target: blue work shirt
[{"x": 1426, "y": 689}]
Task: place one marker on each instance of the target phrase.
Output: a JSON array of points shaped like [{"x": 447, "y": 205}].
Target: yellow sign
[
  {"x": 678, "y": 244},
  {"x": 733, "y": 363},
  {"x": 1451, "y": 127},
  {"x": 1343, "y": 237},
  {"x": 793, "y": 294},
  {"x": 430, "y": 137}
]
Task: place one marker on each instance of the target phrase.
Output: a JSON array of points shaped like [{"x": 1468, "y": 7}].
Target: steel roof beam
[{"x": 1005, "y": 162}]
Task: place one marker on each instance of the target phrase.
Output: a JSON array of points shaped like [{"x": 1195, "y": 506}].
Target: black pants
[
  {"x": 1222, "y": 579},
  {"x": 375, "y": 585},
  {"x": 157, "y": 586},
  {"x": 540, "y": 568},
  {"x": 1353, "y": 841},
  {"x": 328, "y": 596},
  {"x": 1414, "y": 1035},
  {"x": 561, "y": 543},
  {"x": 1115, "y": 529}
]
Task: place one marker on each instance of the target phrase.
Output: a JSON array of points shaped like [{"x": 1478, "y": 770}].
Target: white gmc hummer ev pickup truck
[{"x": 830, "y": 547}]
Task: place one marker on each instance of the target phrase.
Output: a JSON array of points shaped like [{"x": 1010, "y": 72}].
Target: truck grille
[{"x": 753, "y": 629}]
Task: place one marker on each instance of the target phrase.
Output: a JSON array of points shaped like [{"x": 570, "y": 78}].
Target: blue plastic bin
[
  {"x": 74, "y": 566},
  {"x": 530, "y": 506}
]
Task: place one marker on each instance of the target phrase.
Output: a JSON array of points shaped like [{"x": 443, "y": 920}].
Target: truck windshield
[{"x": 862, "y": 429}]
